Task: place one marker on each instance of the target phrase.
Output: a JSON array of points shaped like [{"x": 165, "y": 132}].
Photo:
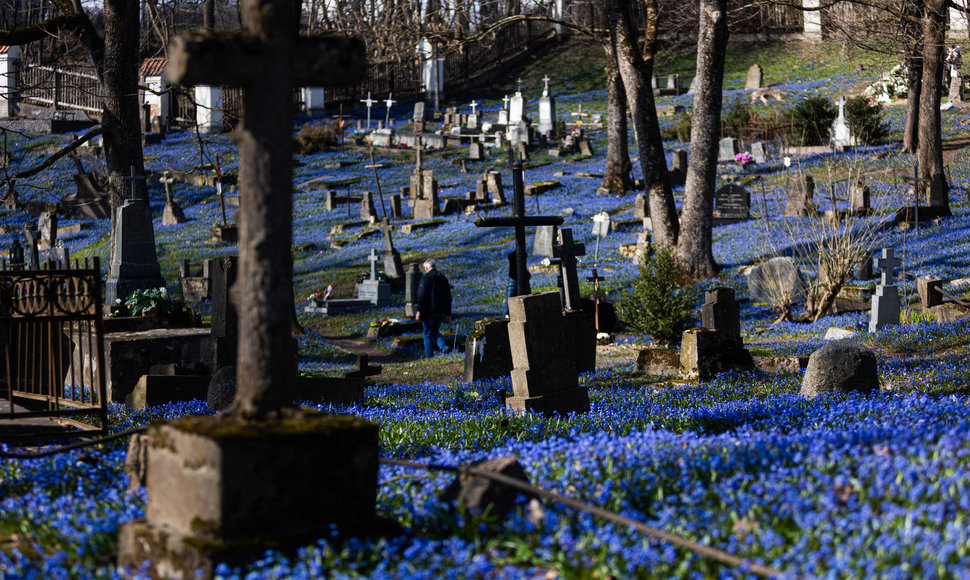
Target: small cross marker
[
  {"x": 370, "y": 103},
  {"x": 387, "y": 115},
  {"x": 473, "y": 105}
]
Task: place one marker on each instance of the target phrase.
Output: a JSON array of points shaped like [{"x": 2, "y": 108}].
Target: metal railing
[
  {"x": 59, "y": 88},
  {"x": 52, "y": 349}
]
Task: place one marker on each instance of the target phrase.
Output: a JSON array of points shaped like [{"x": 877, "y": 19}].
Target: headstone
[
  {"x": 643, "y": 248},
  {"x": 929, "y": 289},
  {"x": 412, "y": 279},
  {"x": 471, "y": 121},
  {"x": 678, "y": 168},
  {"x": 224, "y": 334},
  {"x": 172, "y": 215},
  {"x": 703, "y": 355},
  {"x": 732, "y": 202},
  {"x": 777, "y": 281},
  {"x": 544, "y": 240},
  {"x": 375, "y": 290},
  {"x": 520, "y": 133},
  {"x": 396, "y": 212},
  {"x": 758, "y": 154},
  {"x": 859, "y": 195},
  {"x": 840, "y": 366},
  {"x": 547, "y": 117},
  {"x": 393, "y": 269},
  {"x": 60, "y": 255},
  {"x": 585, "y": 148},
  {"x": 543, "y": 378},
  {"x": 32, "y": 237},
  {"x": 720, "y": 313},
  {"x": 47, "y": 225},
  {"x": 476, "y": 151},
  {"x": 516, "y": 108},
  {"x": 801, "y": 201},
  {"x": 487, "y": 351},
  {"x": 522, "y": 149},
  {"x": 885, "y": 302},
  {"x": 134, "y": 264},
  {"x": 956, "y": 87},
  {"x": 727, "y": 149},
  {"x": 503, "y": 118},
  {"x": 419, "y": 113},
  {"x": 494, "y": 181},
  {"x": 426, "y": 204},
  {"x": 841, "y": 134},
  {"x": 368, "y": 209},
  {"x": 755, "y": 78},
  {"x": 222, "y": 389}
]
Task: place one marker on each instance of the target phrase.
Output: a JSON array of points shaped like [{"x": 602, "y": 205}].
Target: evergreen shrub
[{"x": 659, "y": 303}]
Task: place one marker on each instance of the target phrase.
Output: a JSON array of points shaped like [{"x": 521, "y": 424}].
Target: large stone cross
[
  {"x": 268, "y": 60},
  {"x": 887, "y": 262},
  {"x": 519, "y": 221},
  {"x": 567, "y": 250}
]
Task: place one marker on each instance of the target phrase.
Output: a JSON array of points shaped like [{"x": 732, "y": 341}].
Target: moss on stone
[{"x": 290, "y": 424}]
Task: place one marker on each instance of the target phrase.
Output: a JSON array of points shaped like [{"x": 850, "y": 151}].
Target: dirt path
[{"x": 356, "y": 346}]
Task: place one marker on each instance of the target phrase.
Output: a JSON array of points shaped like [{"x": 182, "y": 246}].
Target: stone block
[
  {"x": 580, "y": 335},
  {"x": 160, "y": 389},
  {"x": 703, "y": 355},
  {"x": 659, "y": 361},
  {"x": 929, "y": 288},
  {"x": 128, "y": 354},
  {"x": 487, "y": 351}
]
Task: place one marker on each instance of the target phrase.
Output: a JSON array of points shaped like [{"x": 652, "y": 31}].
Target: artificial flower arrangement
[
  {"x": 742, "y": 158},
  {"x": 382, "y": 322}
]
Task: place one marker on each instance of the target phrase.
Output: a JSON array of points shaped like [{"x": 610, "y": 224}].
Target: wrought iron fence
[{"x": 53, "y": 350}]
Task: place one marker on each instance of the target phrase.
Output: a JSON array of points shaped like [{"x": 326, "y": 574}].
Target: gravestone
[
  {"x": 841, "y": 134},
  {"x": 929, "y": 289},
  {"x": 471, "y": 121},
  {"x": 543, "y": 378},
  {"x": 419, "y": 115},
  {"x": 373, "y": 289},
  {"x": 393, "y": 269},
  {"x": 720, "y": 313},
  {"x": 727, "y": 149},
  {"x": 777, "y": 281},
  {"x": 493, "y": 180},
  {"x": 885, "y": 302},
  {"x": 755, "y": 78},
  {"x": 547, "y": 115},
  {"x": 503, "y": 119},
  {"x": 801, "y": 197},
  {"x": 134, "y": 262},
  {"x": 224, "y": 334},
  {"x": 859, "y": 195},
  {"x": 412, "y": 279},
  {"x": 522, "y": 149},
  {"x": 396, "y": 212},
  {"x": 476, "y": 151},
  {"x": 487, "y": 351},
  {"x": 172, "y": 215},
  {"x": 956, "y": 86},
  {"x": 32, "y": 237},
  {"x": 516, "y": 109},
  {"x": 60, "y": 255},
  {"x": 47, "y": 227},
  {"x": 585, "y": 148},
  {"x": 732, "y": 202},
  {"x": 368, "y": 209},
  {"x": 643, "y": 247},
  {"x": 544, "y": 240},
  {"x": 579, "y": 330},
  {"x": 840, "y": 366},
  {"x": 566, "y": 250},
  {"x": 758, "y": 154},
  {"x": 678, "y": 168},
  {"x": 521, "y": 133},
  {"x": 427, "y": 204}
]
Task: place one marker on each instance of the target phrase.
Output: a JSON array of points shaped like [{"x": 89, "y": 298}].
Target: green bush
[
  {"x": 679, "y": 130},
  {"x": 737, "y": 114},
  {"x": 657, "y": 304},
  {"x": 812, "y": 120},
  {"x": 865, "y": 121}
]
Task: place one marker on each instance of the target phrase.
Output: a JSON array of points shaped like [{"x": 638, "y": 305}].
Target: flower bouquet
[{"x": 148, "y": 302}]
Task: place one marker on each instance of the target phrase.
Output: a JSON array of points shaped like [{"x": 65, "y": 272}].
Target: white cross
[
  {"x": 387, "y": 115},
  {"x": 519, "y": 86},
  {"x": 545, "y": 91},
  {"x": 370, "y": 103},
  {"x": 473, "y": 104},
  {"x": 506, "y": 100}
]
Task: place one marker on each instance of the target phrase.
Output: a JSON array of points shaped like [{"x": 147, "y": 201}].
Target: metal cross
[
  {"x": 519, "y": 221},
  {"x": 370, "y": 103},
  {"x": 887, "y": 262},
  {"x": 387, "y": 115}
]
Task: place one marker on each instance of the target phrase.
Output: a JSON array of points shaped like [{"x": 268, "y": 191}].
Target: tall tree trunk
[
  {"x": 914, "y": 67},
  {"x": 933, "y": 185},
  {"x": 636, "y": 72},
  {"x": 121, "y": 119},
  {"x": 617, "y": 174},
  {"x": 695, "y": 242}
]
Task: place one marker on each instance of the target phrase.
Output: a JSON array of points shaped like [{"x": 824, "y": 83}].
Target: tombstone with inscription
[
  {"x": 727, "y": 149},
  {"x": 544, "y": 379},
  {"x": 134, "y": 262},
  {"x": 368, "y": 209},
  {"x": 755, "y": 78},
  {"x": 373, "y": 289},
  {"x": 476, "y": 151},
  {"x": 801, "y": 197},
  {"x": 516, "y": 108},
  {"x": 487, "y": 351},
  {"x": 885, "y": 302},
  {"x": 732, "y": 202}
]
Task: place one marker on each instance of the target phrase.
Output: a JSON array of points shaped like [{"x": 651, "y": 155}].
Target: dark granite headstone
[{"x": 732, "y": 202}]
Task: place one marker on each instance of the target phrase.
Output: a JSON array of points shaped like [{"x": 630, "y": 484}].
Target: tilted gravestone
[
  {"x": 801, "y": 197},
  {"x": 755, "y": 78},
  {"x": 543, "y": 378},
  {"x": 885, "y": 302},
  {"x": 487, "y": 351},
  {"x": 777, "y": 281}
]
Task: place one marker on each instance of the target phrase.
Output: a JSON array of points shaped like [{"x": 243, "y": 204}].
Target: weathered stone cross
[
  {"x": 268, "y": 60},
  {"x": 519, "y": 221},
  {"x": 166, "y": 179},
  {"x": 887, "y": 262},
  {"x": 567, "y": 250},
  {"x": 370, "y": 103}
]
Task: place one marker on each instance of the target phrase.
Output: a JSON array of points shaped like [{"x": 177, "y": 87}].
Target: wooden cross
[
  {"x": 506, "y": 101},
  {"x": 567, "y": 250},
  {"x": 596, "y": 279},
  {"x": 370, "y": 103},
  {"x": 166, "y": 179},
  {"x": 473, "y": 105},
  {"x": 387, "y": 114},
  {"x": 519, "y": 221},
  {"x": 268, "y": 60},
  {"x": 887, "y": 262}
]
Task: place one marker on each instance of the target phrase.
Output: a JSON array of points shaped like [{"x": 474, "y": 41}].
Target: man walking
[{"x": 434, "y": 305}]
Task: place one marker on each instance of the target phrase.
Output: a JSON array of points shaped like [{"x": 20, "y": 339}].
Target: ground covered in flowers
[{"x": 839, "y": 486}]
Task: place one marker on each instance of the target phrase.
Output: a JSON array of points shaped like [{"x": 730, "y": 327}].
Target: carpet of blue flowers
[{"x": 836, "y": 487}]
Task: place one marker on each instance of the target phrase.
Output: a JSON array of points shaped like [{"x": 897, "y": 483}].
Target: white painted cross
[
  {"x": 387, "y": 115},
  {"x": 545, "y": 90},
  {"x": 518, "y": 89},
  {"x": 506, "y": 100},
  {"x": 473, "y": 105},
  {"x": 370, "y": 103}
]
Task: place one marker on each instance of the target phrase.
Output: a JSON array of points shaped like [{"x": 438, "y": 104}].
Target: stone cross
[
  {"x": 885, "y": 301},
  {"x": 473, "y": 105},
  {"x": 373, "y": 264},
  {"x": 267, "y": 59},
  {"x": 166, "y": 179},
  {"x": 387, "y": 114},
  {"x": 887, "y": 262},
  {"x": 567, "y": 250},
  {"x": 132, "y": 179},
  {"x": 370, "y": 103},
  {"x": 505, "y": 102},
  {"x": 518, "y": 86},
  {"x": 519, "y": 221},
  {"x": 545, "y": 90}
]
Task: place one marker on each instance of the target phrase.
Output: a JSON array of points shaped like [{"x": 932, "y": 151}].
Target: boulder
[{"x": 841, "y": 366}]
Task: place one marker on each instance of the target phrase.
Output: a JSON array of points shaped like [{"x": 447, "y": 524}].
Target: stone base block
[
  {"x": 580, "y": 334},
  {"x": 563, "y": 402},
  {"x": 703, "y": 355},
  {"x": 659, "y": 361},
  {"x": 161, "y": 389}
]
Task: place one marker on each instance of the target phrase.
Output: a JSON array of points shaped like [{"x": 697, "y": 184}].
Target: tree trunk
[
  {"x": 914, "y": 67},
  {"x": 617, "y": 174},
  {"x": 636, "y": 73},
  {"x": 695, "y": 242},
  {"x": 933, "y": 186}
]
